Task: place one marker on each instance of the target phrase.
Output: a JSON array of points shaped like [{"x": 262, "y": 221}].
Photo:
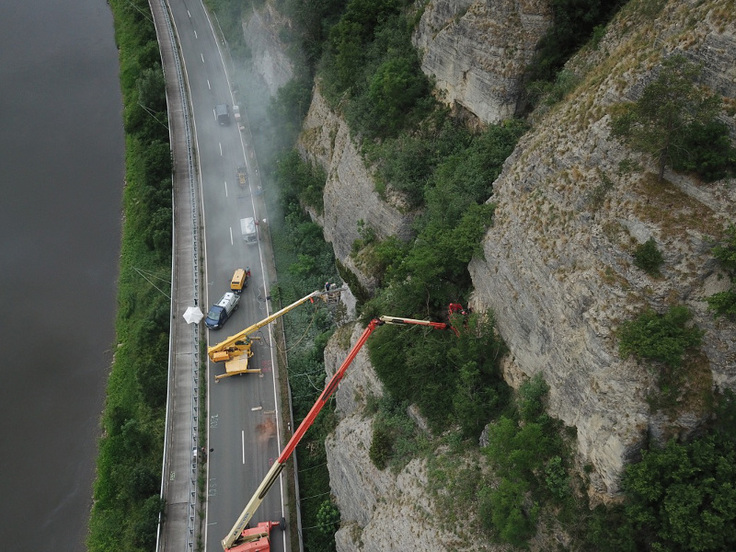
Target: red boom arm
[{"x": 229, "y": 542}]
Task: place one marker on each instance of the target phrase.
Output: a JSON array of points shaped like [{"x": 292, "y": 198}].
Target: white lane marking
[
  {"x": 202, "y": 56},
  {"x": 208, "y": 84},
  {"x": 231, "y": 236},
  {"x": 189, "y": 14},
  {"x": 242, "y": 435},
  {"x": 195, "y": 34},
  {"x": 220, "y": 149},
  {"x": 226, "y": 189}
]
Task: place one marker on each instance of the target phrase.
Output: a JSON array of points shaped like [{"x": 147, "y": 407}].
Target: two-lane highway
[{"x": 242, "y": 410}]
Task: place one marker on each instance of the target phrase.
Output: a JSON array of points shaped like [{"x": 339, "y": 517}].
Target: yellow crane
[{"x": 236, "y": 350}]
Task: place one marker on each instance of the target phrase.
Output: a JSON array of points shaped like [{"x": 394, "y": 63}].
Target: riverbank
[{"x": 127, "y": 499}]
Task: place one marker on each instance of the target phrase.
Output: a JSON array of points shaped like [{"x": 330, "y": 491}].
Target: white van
[
  {"x": 248, "y": 229},
  {"x": 222, "y": 114}
]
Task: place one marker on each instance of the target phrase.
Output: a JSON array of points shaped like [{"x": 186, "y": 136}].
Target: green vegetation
[
  {"x": 301, "y": 181},
  {"x": 370, "y": 62},
  {"x": 575, "y": 22},
  {"x": 396, "y": 439},
  {"x": 669, "y": 344},
  {"x": 126, "y": 491},
  {"x": 453, "y": 380},
  {"x": 648, "y": 257},
  {"x": 328, "y": 518},
  {"x": 527, "y": 453},
  {"x": 724, "y": 302},
  {"x": 683, "y": 496},
  {"x": 312, "y": 23},
  {"x": 660, "y": 338},
  {"x": 706, "y": 150},
  {"x": 676, "y": 121}
]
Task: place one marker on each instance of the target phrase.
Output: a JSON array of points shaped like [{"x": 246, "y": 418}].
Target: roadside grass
[{"x": 127, "y": 499}]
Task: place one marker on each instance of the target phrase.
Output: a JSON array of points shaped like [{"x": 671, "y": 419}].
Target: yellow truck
[{"x": 242, "y": 176}]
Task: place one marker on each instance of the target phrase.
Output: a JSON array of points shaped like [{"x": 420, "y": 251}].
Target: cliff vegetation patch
[
  {"x": 724, "y": 303},
  {"x": 683, "y": 496},
  {"x": 667, "y": 342},
  {"x": 675, "y": 121}
]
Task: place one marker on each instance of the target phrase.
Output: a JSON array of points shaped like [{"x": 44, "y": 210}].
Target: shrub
[
  {"x": 660, "y": 338},
  {"x": 706, "y": 150},
  {"x": 381, "y": 448},
  {"x": 675, "y": 121},
  {"x": 328, "y": 518},
  {"x": 724, "y": 303},
  {"x": 396, "y": 88},
  {"x": 609, "y": 530},
  {"x": 145, "y": 523},
  {"x": 300, "y": 180},
  {"x": 514, "y": 523},
  {"x": 407, "y": 162},
  {"x": 519, "y": 452},
  {"x": 289, "y": 107},
  {"x": 648, "y": 257},
  {"x": 530, "y": 401},
  {"x": 556, "y": 479},
  {"x": 683, "y": 497}
]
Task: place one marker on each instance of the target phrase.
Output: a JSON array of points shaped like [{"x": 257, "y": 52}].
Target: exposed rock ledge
[
  {"x": 558, "y": 269},
  {"x": 350, "y": 195},
  {"x": 477, "y": 51},
  {"x": 381, "y": 511}
]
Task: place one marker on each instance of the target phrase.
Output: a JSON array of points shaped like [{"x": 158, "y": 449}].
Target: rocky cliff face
[
  {"x": 477, "y": 51},
  {"x": 381, "y": 511},
  {"x": 270, "y": 59},
  {"x": 350, "y": 195},
  {"x": 558, "y": 268}
]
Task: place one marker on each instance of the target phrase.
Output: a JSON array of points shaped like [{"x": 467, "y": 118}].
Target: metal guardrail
[{"x": 191, "y": 507}]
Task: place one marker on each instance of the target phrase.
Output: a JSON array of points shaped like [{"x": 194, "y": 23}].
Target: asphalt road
[{"x": 241, "y": 408}]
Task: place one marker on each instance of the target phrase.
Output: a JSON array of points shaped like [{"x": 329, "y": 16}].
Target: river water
[{"x": 61, "y": 180}]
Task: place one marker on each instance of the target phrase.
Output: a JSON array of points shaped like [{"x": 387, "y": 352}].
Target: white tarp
[{"x": 193, "y": 315}]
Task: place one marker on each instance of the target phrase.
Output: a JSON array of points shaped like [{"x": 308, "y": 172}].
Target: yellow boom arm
[{"x": 240, "y": 343}]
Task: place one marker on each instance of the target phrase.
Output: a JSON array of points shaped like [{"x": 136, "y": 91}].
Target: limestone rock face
[
  {"x": 558, "y": 268},
  {"x": 381, "y": 511},
  {"x": 477, "y": 51},
  {"x": 349, "y": 194},
  {"x": 270, "y": 60}
]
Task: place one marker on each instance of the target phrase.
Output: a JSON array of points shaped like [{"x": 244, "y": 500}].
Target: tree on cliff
[
  {"x": 683, "y": 496},
  {"x": 724, "y": 303},
  {"x": 675, "y": 121}
]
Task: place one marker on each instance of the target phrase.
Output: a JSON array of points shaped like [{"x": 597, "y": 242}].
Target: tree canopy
[{"x": 676, "y": 119}]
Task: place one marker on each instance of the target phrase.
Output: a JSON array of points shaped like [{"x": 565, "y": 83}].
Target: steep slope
[
  {"x": 350, "y": 197},
  {"x": 558, "y": 268},
  {"x": 271, "y": 62},
  {"x": 381, "y": 510},
  {"x": 477, "y": 51}
]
